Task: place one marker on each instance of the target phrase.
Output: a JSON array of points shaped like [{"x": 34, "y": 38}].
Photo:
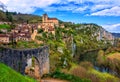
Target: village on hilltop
[{"x": 28, "y": 32}]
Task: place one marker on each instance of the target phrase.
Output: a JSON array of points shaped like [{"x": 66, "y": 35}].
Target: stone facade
[
  {"x": 24, "y": 32},
  {"x": 18, "y": 59},
  {"x": 4, "y": 38},
  {"x": 48, "y": 24},
  {"x": 46, "y": 19}
]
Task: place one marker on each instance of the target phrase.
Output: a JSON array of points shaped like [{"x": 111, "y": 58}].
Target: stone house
[
  {"x": 46, "y": 19},
  {"x": 48, "y": 24},
  {"x": 24, "y": 36},
  {"x": 1, "y": 22},
  {"x": 4, "y": 38},
  {"x": 4, "y": 30},
  {"x": 16, "y": 30},
  {"x": 25, "y": 32}
]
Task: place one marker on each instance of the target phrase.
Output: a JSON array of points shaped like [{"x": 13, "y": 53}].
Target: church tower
[{"x": 45, "y": 18}]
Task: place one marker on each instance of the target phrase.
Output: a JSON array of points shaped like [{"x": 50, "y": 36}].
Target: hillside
[
  {"x": 117, "y": 35},
  {"x": 26, "y": 18},
  {"x": 19, "y": 18},
  {"x": 9, "y": 75},
  {"x": 3, "y": 16}
]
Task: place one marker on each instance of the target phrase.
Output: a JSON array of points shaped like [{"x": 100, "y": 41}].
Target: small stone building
[{"x": 4, "y": 38}]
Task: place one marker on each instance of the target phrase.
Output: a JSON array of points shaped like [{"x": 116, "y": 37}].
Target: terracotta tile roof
[
  {"x": 51, "y": 28},
  {"x": 52, "y": 19},
  {"x": 4, "y": 35}
]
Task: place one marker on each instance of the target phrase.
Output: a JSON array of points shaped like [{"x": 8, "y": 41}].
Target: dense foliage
[
  {"x": 60, "y": 55},
  {"x": 83, "y": 36},
  {"x": 86, "y": 70},
  {"x": 68, "y": 77},
  {"x": 23, "y": 45},
  {"x": 110, "y": 59}
]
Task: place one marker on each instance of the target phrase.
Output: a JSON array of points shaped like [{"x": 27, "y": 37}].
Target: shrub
[
  {"x": 101, "y": 57},
  {"x": 97, "y": 76},
  {"x": 80, "y": 72},
  {"x": 86, "y": 65},
  {"x": 69, "y": 77},
  {"x": 83, "y": 71}
]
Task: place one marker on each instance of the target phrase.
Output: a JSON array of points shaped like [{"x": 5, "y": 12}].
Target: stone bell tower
[{"x": 45, "y": 18}]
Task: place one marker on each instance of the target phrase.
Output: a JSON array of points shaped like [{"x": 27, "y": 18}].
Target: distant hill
[
  {"x": 26, "y": 18},
  {"x": 9, "y": 75},
  {"x": 117, "y": 35},
  {"x": 19, "y": 17},
  {"x": 3, "y": 16}
]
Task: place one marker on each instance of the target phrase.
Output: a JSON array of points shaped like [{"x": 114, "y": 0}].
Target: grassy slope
[
  {"x": 24, "y": 45},
  {"x": 113, "y": 56},
  {"x": 9, "y": 75},
  {"x": 4, "y": 26},
  {"x": 103, "y": 77}
]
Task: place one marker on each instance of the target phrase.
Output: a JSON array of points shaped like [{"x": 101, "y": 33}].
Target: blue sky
[{"x": 105, "y": 13}]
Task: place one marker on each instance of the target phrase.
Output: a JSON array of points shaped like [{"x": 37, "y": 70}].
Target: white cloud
[
  {"x": 67, "y": 7},
  {"x": 4, "y": 1},
  {"x": 76, "y": 1},
  {"x": 80, "y": 9},
  {"x": 103, "y": 1},
  {"x": 114, "y": 11},
  {"x": 27, "y": 6},
  {"x": 112, "y": 27},
  {"x": 98, "y": 7}
]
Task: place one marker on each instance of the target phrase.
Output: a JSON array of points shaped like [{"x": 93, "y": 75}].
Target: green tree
[{"x": 9, "y": 16}]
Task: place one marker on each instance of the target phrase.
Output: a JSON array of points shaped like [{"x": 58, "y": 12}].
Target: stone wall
[{"x": 17, "y": 59}]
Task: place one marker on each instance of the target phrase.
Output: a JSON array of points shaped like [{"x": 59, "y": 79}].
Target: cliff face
[
  {"x": 19, "y": 59},
  {"x": 105, "y": 35},
  {"x": 99, "y": 32}
]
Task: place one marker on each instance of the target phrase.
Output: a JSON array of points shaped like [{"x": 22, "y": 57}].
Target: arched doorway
[{"x": 32, "y": 69}]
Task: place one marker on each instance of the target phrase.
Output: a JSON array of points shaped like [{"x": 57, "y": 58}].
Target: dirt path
[{"x": 53, "y": 80}]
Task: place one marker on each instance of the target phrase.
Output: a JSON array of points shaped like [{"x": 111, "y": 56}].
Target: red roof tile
[{"x": 52, "y": 18}]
